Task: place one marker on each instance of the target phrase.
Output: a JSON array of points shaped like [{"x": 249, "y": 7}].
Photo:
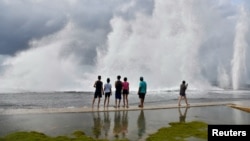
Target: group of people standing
[{"x": 121, "y": 91}]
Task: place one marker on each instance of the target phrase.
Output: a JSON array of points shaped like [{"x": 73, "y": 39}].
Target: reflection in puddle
[
  {"x": 182, "y": 116},
  {"x": 106, "y": 123},
  {"x": 124, "y": 123},
  {"x": 97, "y": 127},
  {"x": 120, "y": 124},
  {"x": 115, "y": 125},
  {"x": 141, "y": 123}
]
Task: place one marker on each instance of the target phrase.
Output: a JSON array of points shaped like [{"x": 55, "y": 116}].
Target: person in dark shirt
[
  {"x": 183, "y": 88},
  {"x": 118, "y": 91},
  {"x": 98, "y": 91}
]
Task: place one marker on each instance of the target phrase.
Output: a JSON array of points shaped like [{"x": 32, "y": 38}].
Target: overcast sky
[
  {"x": 24, "y": 20},
  {"x": 76, "y": 38}
]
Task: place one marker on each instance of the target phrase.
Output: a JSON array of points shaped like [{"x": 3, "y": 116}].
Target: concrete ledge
[
  {"x": 102, "y": 109},
  {"x": 240, "y": 107}
]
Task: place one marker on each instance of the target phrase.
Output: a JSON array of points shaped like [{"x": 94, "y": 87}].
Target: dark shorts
[
  {"x": 107, "y": 94},
  {"x": 125, "y": 92},
  {"x": 142, "y": 95},
  {"x": 118, "y": 95},
  {"x": 182, "y": 94},
  {"x": 98, "y": 94}
]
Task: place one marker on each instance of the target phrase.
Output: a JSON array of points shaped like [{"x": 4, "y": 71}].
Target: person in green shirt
[{"x": 142, "y": 91}]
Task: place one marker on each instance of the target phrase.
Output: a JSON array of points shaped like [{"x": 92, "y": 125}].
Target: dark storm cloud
[{"x": 22, "y": 21}]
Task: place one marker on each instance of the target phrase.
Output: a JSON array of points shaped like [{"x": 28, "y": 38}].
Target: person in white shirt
[{"x": 107, "y": 92}]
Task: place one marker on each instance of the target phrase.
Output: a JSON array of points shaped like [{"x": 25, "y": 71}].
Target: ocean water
[{"x": 40, "y": 100}]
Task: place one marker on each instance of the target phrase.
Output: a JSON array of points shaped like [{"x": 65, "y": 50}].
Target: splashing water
[
  {"x": 180, "y": 40},
  {"x": 239, "y": 58},
  {"x": 163, "y": 48}
]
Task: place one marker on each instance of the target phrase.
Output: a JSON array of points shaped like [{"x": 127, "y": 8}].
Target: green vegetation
[
  {"x": 181, "y": 131},
  {"x": 178, "y": 131},
  {"x": 36, "y": 136}
]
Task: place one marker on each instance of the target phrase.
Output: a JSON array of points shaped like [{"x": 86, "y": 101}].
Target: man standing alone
[
  {"x": 142, "y": 91},
  {"x": 183, "y": 88}
]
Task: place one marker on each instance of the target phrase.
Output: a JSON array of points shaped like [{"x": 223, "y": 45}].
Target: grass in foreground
[
  {"x": 178, "y": 131},
  {"x": 36, "y": 136}
]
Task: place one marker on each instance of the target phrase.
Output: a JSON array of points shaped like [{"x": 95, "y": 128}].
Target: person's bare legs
[
  {"x": 115, "y": 103},
  {"x": 142, "y": 102},
  {"x": 99, "y": 99},
  {"x": 105, "y": 101},
  {"x": 179, "y": 101},
  {"x": 108, "y": 102},
  {"x": 93, "y": 102},
  {"x": 124, "y": 99},
  {"x": 119, "y": 102},
  {"x": 186, "y": 100}
]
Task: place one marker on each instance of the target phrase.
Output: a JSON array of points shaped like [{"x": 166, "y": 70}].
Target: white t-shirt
[{"x": 107, "y": 87}]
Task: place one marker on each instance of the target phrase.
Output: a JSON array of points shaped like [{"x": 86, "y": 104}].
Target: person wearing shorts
[
  {"x": 125, "y": 92},
  {"x": 142, "y": 91},
  {"x": 183, "y": 88},
  {"x": 107, "y": 91},
  {"x": 98, "y": 91},
  {"x": 118, "y": 92}
]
